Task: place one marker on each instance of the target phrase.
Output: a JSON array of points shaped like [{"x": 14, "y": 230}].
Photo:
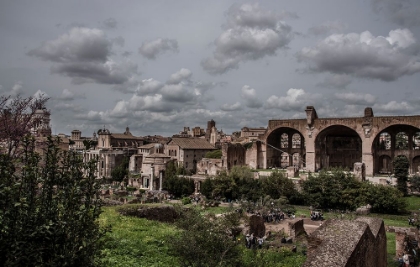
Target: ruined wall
[
  {"x": 233, "y": 155},
  {"x": 346, "y": 243},
  {"x": 210, "y": 166},
  {"x": 296, "y": 228}
]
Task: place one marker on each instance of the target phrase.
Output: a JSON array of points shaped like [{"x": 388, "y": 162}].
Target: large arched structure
[
  {"x": 284, "y": 145},
  {"x": 393, "y": 141},
  {"x": 337, "y": 146},
  {"x": 327, "y": 142}
]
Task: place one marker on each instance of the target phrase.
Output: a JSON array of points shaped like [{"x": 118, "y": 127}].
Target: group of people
[
  {"x": 276, "y": 216},
  {"x": 317, "y": 216},
  {"x": 252, "y": 241}
]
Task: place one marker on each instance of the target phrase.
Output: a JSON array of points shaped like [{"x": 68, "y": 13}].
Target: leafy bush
[
  {"x": 216, "y": 154},
  {"x": 186, "y": 200},
  {"x": 48, "y": 208}
]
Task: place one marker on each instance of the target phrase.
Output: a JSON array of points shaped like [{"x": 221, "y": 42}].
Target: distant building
[
  {"x": 188, "y": 151},
  {"x": 112, "y": 149},
  {"x": 250, "y": 134}
]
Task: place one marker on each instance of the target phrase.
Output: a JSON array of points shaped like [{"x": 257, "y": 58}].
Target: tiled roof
[
  {"x": 148, "y": 146},
  {"x": 125, "y": 136},
  {"x": 191, "y": 143}
]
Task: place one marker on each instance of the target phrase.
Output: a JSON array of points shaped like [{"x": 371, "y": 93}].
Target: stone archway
[
  {"x": 282, "y": 144},
  {"x": 393, "y": 141},
  {"x": 337, "y": 146}
]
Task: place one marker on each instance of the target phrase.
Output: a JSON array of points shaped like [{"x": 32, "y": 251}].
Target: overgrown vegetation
[
  {"x": 48, "y": 208},
  {"x": 216, "y": 154},
  {"x": 401, "y": 166},
  {"x": 177, "y": 186},
  {"x": 336, "y": 189},
  {"x": 121, "y": 171}
]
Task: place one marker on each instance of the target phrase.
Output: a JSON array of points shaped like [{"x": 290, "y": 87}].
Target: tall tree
[
  {"x": 401, "y": 166},
  {"x": 17, "y": 118},
  {"x": 49, "y": 206}
]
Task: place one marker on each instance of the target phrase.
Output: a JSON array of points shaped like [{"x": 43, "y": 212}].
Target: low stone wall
[
  {"x": 159, "y": 213},
  {"x": 357, "y": 243}
]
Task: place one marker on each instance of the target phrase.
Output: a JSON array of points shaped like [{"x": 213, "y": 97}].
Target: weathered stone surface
[
  {"x": 357, "y": 243},
  {"x": 256, "y": 226},
  {"x": 165, "y": 213}
]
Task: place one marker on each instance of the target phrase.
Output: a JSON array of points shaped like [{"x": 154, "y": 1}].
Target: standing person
[{"x": 406, "y": 260}]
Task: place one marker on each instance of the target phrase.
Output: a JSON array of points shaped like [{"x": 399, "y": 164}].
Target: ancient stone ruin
[{"x": 355, "y": 243}]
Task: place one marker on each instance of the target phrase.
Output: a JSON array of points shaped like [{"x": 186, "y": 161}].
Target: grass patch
[
  {"x": 413, "y": 203},
  {"x": 391, "y": 247},
  {"x": 135, "y": 241}
]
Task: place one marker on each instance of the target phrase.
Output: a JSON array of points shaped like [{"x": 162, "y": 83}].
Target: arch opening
[
  {"x": 394, "y": 141},
  {"x": 337, "y": 146},
  {"x": 285, "y": 147}
]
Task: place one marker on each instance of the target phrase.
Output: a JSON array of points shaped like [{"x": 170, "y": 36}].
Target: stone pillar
[
  {"x": 359, "y": 171},
  {"x": 160, "y": 181},
  {"x": 152, "y": 176}
]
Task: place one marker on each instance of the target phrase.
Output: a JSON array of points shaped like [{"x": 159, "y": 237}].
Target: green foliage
[
  {"x": 48, "y": 208},
  {"x": 278, "y": 185},
  {"x": 216, "y": 154},
  {"x": 120, "y": 172},
  {"x": 205, "y": 241},
  {"x": 401, "y": 166},
  {"x": 179, "y": 186},
  {"x": 337, "y": 189},
  {"x": 186, "y": 200},
  {"x": 415, "y": 183},
  {"x": 207, "y": 187},
  {"x": 89, "y": 144}
]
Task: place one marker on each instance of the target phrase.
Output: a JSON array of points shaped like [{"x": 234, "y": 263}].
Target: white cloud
[
  {"x": 251, "y": 33},
  {"x": 68, "y": 95},
  {"x": 364, "y": 55},
  {"x": 152, "y": 49},
  {"x": 295, "y": 100},
  {"x": 179, "y": 76},
  {"x": 250, "y": 96},
  {"x": 148, "y": 86},
  {"x": 394, "y": 107},
  {"x": 233, "y": 107}
]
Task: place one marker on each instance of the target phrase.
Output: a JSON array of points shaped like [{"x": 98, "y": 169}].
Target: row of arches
[{"x": 341, "y": 146}]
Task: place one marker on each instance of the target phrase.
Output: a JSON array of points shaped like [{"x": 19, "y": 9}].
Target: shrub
[
  {"x": 186, "y": 200},
  {"x": 48, "y": 208}
]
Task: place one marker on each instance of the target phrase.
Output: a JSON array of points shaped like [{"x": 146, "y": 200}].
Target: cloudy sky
[{"x": 157, "y": 66}]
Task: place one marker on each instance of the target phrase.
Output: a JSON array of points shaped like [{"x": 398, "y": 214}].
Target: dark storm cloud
[
  {"x": 83, "y": 54},
  {"x": 80, "y": 44},
  {"x": 251, "y": 33},
  {"x": 92, "y": 72},
  {"x": 364, "y": 55},
  {"x": 152, "y": 49},
  {"x": 402, "y": 12}
]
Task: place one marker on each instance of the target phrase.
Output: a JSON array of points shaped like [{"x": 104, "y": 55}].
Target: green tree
[
  {"x": 278, "y": 185},
  {"x": 207, "y": 241},
  {"x": 415, "y": 183},
  {"x": 49, "y": 206},
  {"x": 120, "y": 172},
  {"x": 401, "y": 166},
  {"x": 216, "y": 154}
]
